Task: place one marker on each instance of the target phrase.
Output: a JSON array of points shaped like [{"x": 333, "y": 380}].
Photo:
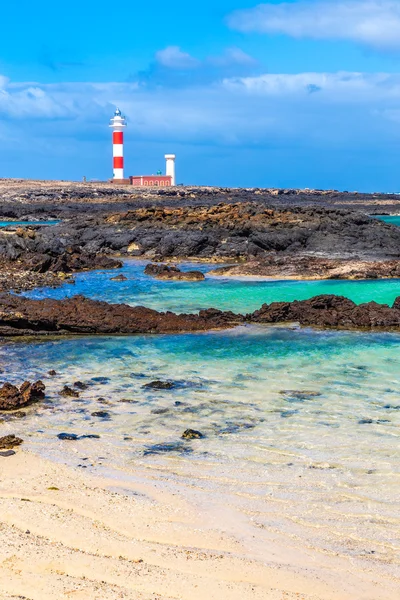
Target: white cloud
[
  {"x": 172, "y": 57},
  {"x": 372, "y": 22},
  {"x": 232, "y": 57},
  {"x": 302, "y": 108}
]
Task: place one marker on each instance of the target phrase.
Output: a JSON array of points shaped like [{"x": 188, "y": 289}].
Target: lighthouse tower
[{"x": 117, "y": 124}]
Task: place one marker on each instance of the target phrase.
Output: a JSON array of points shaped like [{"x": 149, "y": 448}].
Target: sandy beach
[{"x": 68, "y": 534}]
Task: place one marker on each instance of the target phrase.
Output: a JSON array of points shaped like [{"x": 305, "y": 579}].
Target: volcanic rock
[
  {"x": 159, "y": 385},
  {"x": 67, "y": 436},
  {"x": 172, "y": 273},
  {"x": 12, "y": 398},
  {"x": 119, "y": 278},
  {"x": 192, "y": 434},
  {"x": 9, "y": 441},
  {"x": 69, "y": 392}
]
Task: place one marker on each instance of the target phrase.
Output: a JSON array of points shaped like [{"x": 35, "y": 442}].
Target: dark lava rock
[
  {"x": 80, "y": 385},
  {"x": 52, "y": 373},
  {"x": 77, "y": 315},
  {"x": 67, "y": 436},
  {"x": 172, "y": 273},
  {"x": 12, "y": 398},
  {"x": 89, "y": 436},
  {"x": 103, "y": 414},
  {"x": 69, "y": 392},
  {"x": 119, "y": 278},
  {"x": 159, "y": 411},
  {"x": 9, "y": 441},
  {"x": 192, "y": 434},
  {"x": 8, "y": 453},
  {"x": 159, "y": 385}
]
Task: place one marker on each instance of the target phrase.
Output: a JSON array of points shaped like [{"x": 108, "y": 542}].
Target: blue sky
[{"x": 303, "y": 93}]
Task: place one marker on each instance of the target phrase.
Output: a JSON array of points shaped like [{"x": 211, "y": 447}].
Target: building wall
[{"x": 151, "y": 180}]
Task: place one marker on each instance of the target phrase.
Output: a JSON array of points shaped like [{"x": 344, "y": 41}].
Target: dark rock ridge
[
  {"x": 12, "y": 398},
  {"x": 79, "y": 315},
  {"x": 229, "y": 231},
  {"x": 173, "y": 273}
]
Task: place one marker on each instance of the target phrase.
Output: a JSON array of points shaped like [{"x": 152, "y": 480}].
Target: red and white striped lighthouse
[{"x": 117, "y": 123}]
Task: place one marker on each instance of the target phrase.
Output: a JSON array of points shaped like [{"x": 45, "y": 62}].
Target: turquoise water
[
  {"x": 302, "y": 428},
  {"x": 224, "y": 293},
  {"x": 26, "y": 223},
  {"x": 392, "y": 219}
]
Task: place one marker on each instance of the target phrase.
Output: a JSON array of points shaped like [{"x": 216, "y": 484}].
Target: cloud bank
[
  {"x": 374, "y": 23},
  {"x": 268, "y": 119}
]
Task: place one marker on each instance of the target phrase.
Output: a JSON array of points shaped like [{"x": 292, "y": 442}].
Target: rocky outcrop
[
  {"x": 13, "y": 398},
  {"x": 311, "y": 267},
  {"x": 330, "y": 311},
  {"x": 172, "y": 273},
  {"x": 79, "y": 315}
]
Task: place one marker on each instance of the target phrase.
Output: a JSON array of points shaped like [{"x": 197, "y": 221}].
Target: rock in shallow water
[
  {"x": 160, "y": 385},
  {"x": 172, "y": 273},
  {"x": 67, "y": 436},
  {"x": 12, "y": 398},
  {"x": 192, "y": 434},
  {"x": 9, "y": 441},
  {"x": 119, "y": 278},
  {"x": 103, "y": 414},
  {"x": 69, "y": 392},
  {"x": 178, "y": 447}
]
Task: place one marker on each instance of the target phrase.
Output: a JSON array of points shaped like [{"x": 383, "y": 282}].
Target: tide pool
[
  {"x": 391, "y": 219},
  {"x": 26, "y": 223},
  {"x": 240, "y": 295}
]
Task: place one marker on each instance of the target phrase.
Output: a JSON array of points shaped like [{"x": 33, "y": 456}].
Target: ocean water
[
  {"x": 240, "y": 295},
  {"x": 392, "y": 219},
  {"x": 26, "y": 223},
  {"x": 301, "y": 428}
]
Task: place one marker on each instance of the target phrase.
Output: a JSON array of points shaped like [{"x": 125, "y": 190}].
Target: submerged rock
[
  {"x": 192, "y": 434},
  {"x": 159, "y": 385},
  {"x": 80, "y": 385},
  {"x": 103, "y": 414},
  {"x": 12, "y": 398},
  {"x": 9, "y": 441},
  {"x": 67, "y": 436},
  {"x": 178, "y": 447},
  {"x": 299, "y": 395}
]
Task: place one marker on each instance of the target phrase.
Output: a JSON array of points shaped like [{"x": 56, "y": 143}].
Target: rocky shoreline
[
  {"x": 80, "y": 316},
  {"x": 286, "y": 234}
]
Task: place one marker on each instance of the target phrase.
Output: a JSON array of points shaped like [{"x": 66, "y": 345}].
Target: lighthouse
[
  {"x": 117, "y": 124},
  {"x": 170, "y": 167}
]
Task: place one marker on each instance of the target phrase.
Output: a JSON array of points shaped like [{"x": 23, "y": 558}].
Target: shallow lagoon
[
  {"x": 240, "y": 295},
  {"x": 302, "y": 428}
]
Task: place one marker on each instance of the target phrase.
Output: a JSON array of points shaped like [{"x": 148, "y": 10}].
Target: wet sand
[{"x": 100, "y": 538}]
